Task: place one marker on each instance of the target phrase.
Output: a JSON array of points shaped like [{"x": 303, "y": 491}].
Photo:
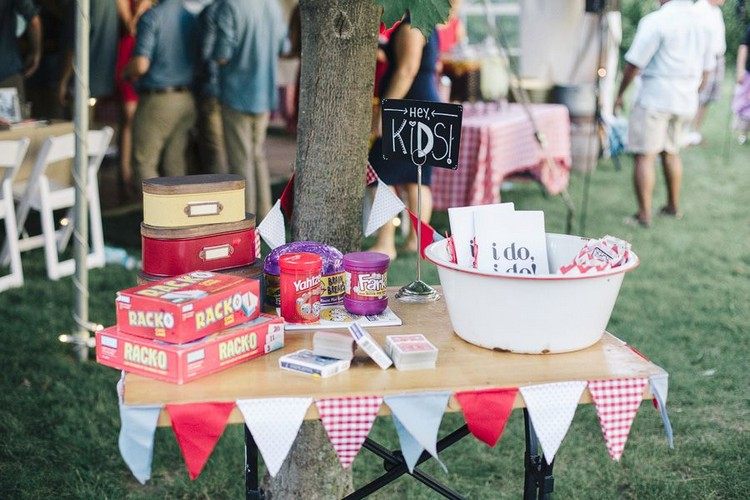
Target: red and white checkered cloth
[
  {"x": 498, "y": 141},
  {"x": 347, "y": 422},
  {"x": 370, "y": 176},
  {"x": 617, "y": 402}
]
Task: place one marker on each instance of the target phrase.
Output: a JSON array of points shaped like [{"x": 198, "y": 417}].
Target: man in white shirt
[
  {"x": 710, "y": 12},
  {"x": 671, "y": 52}
]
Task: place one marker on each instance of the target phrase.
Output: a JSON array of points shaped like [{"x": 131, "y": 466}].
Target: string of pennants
[
  {"x": 274, "y": 422},
  {"x": 382, "y": 207}
]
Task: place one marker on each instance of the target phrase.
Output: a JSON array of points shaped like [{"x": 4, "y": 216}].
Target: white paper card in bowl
[
  {"x": 511, "y": 243},
  {"x": 463, "y": 229}
]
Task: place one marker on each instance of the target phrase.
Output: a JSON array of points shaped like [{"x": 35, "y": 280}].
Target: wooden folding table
[{"x": 461, "y": 366}]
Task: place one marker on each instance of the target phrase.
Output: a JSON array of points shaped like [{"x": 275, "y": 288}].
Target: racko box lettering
[
  {"x": 180, "y": 363},
  {"x": 187, "y": 307}
]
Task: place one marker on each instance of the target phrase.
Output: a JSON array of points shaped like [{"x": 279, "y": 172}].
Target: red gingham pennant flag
[
  {"x": 370, "y": 176},
  {"x": 347, "y": 422},
  {"x": 257, "y": 244},
  {"x": 617, "y": 402}
]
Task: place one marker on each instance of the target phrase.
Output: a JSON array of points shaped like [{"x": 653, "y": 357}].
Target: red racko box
[
  {"x": 185, "y": 362},
  {"x": 187, "y": 307}
]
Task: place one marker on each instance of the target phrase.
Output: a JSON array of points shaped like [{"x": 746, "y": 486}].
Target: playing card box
[
  {"x": 181, "y": 363},
  {"x": 306, "y": 362},
  {"x": 411, "y": 352},
  {"x": 370, "y": 346},
  {"x": 187, "y": 307}
]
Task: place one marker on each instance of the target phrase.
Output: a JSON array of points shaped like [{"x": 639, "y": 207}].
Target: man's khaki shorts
[{"x": 651, "y": 132}]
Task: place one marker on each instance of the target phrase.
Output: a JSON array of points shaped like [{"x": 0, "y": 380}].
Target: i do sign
[{"x": 427, "y": 133}]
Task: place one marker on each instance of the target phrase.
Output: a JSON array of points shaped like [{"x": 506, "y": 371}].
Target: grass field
[{"x": 686, "y": 307}]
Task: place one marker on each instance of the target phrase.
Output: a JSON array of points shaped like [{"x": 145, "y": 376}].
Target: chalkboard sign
[{"x": 424, "y": 132}]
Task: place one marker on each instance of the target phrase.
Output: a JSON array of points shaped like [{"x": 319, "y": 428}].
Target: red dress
[{"x": 124, "y": 50}]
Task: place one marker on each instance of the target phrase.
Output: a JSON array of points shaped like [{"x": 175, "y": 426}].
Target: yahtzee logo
[
  {"x": 145, "y": 356},
  {"x": 150, "y": 319},
  {"x": 306, "y": 284}
]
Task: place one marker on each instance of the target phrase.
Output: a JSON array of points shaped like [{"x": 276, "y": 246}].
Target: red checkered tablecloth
[{"x": 498, "y": 141}]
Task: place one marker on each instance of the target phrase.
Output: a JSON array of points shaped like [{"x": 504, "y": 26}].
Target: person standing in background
[
  {"x": 741, "y": 100},
  {"x": 672, "y": 52},
  {"x": 129, "y": 11},
  {"x": 710, "y": 12},
  {"x": 210, "y": 132},
  {"x": 12, "y": 69},
  {"x": 249, "y": 38},
  {"x": 41, "y": 88},
  {"x": 163, "y": 64}
]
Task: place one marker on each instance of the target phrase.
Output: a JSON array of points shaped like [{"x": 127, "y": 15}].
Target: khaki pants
[
  {"x": 651, "y": 132},
  {"x": 245, "y": 136},
  {"x": 211, "y": 136},
  {"x": 160, "y": 132}
]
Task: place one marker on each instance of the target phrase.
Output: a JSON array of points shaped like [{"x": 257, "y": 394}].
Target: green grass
[{"x": 686, "y": 307}]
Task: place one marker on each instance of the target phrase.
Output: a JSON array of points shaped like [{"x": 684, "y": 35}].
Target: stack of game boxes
[{"x": 197, "y": 223}]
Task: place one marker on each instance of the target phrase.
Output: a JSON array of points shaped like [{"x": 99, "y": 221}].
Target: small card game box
[
  {"x": 187, "y": 307},
  {"x": 367, "y": 343},
  {"x": 411, "y": 352},
  {"x": 185, "y": 362},
  {"x": 306, "y": 362}
]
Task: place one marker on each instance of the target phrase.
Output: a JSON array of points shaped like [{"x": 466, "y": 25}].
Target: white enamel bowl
[{"x": 530, "y": 314}]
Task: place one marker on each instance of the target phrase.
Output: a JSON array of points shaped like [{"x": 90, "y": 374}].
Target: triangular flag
[
  {"x": 417, "y": 418},
  {"x": 429, "y": 235},
  {"x": 257, "y": 244},
  {"x": 660, "y": 389},
  {"x": 272, "y": 228},
  {"x": 287, "y": 198},
  {"x": 486, "y": 412},
  {"x": 197, "y": 427},
  {"x": 347, "y": 422},
  {"x": 617, "y": 402},
  {"x": 137, "y": 427},
  {"x": 274, "y": 424},
  {"x": 370, "y": 175},
  {"x": 551, "y": 408},
  {"x": 385, "y": 206}
]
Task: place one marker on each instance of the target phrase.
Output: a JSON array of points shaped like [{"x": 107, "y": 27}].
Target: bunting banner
[
  {"x": 197, "y": 427},
  {"x": 136, "y": 442},
  {"x": 429, "y": 235},
  {"x": 660, "y": 388},
  {"x": 617, "y": 402},
  {"x": 274, "y": 424},
  {"x": 487, "y": 411},
  {"x": 272, "y": 228},
  {"x": 417, "y": 419},
  {"x": 385, "y": 206},
  {"x": 347, "y": 422},
  {"x": 370, "y": 175},
  {"x": 551, "y": 408},
  {"x": 286, "y": 200},
  {"x": 257, "y": 245}
]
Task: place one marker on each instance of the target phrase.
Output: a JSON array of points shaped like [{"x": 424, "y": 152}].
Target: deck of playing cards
[
  {"x": 304, "y": 361},
  {"x": 368, "y": 344},
  {"x": 333, "y": 345},
  {"x": 411, "y": 352}
]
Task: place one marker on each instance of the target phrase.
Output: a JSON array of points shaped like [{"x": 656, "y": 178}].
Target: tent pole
[{"x": 80, "y": 180}]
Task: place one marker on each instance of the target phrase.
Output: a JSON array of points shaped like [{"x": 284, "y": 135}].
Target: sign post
[{"x": 422, "y": 132}]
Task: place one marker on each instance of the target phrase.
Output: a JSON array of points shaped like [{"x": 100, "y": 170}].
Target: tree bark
[{"x": 339, "y": 40}]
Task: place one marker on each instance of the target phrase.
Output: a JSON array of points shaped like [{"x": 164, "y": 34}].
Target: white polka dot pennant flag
[
  {"x": 272, "y": 228},
  {"x": 385, "y": 206},
  {"x": 274, "y": 424},
  {"x": 551, "y": 408}
]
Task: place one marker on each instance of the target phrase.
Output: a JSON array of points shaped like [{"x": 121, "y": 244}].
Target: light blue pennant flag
[
  {"x": 660, "y": 389},
  {"x": 417, "y": 419},
  {"x": 137, "y": 427}
]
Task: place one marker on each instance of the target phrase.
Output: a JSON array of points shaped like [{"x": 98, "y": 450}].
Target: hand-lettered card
[
  {"x": 511, "y": 242},
  {"x": 463, "y": 231}
]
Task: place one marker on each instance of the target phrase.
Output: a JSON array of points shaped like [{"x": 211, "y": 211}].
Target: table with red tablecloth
[{"x": 497, "y": 141}]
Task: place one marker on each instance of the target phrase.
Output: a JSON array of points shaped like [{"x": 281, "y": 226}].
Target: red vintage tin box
[
  {"x": 210, "y": 247},
  {"x": 187, "y": 307},
  {"x": 182, "y": 363}
]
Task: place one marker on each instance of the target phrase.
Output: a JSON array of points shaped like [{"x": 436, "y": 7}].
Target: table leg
[
  {"x": 538, "y": 480},
  {"x": 252, "y": 485}
]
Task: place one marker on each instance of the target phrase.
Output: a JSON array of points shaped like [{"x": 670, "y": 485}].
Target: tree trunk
[{"x": 339, "y": 40}]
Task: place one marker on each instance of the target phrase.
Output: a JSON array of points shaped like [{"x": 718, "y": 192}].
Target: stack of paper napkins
[
  {"x": 411, "y": 352},
  {"x": 498, "y": 239},
  {"x": 333, "y": 345}
]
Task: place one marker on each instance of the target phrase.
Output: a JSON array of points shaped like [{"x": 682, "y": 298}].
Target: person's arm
[
  {"x": 226, "y": 35},
  {"x": 741, "y": 62},
  {"x": 66, "y": 72},
  {"x": 645, "y": 44},
  {"x": 145, "y": 43},
  {"x": 34, "y": 36},
  {"x": 137, "y": 67},
  {"x": 628, "y": 75},
  {"x": 141, "y": 6},
  {"x": 125, "y": 14}
]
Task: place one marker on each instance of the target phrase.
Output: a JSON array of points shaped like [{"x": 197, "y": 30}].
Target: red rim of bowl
[{"x": 632, "y": 264}]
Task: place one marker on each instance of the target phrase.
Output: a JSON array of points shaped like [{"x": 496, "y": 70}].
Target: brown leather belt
[{"x": 164, "y": 90}]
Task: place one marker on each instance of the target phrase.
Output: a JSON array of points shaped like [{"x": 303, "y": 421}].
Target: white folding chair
[
  {"x": 44, "y": 195},
  {"x": 12, "y": 154}
]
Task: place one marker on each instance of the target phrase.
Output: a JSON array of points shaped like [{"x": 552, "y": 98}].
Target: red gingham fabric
[
  {"x": 498, "y": 141},
  {"x": 257, "y": 244},
  {"x": 617, "y": 402},
  {"x": 370, "y": 176},
  {"x": 347, "y": 422}
]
